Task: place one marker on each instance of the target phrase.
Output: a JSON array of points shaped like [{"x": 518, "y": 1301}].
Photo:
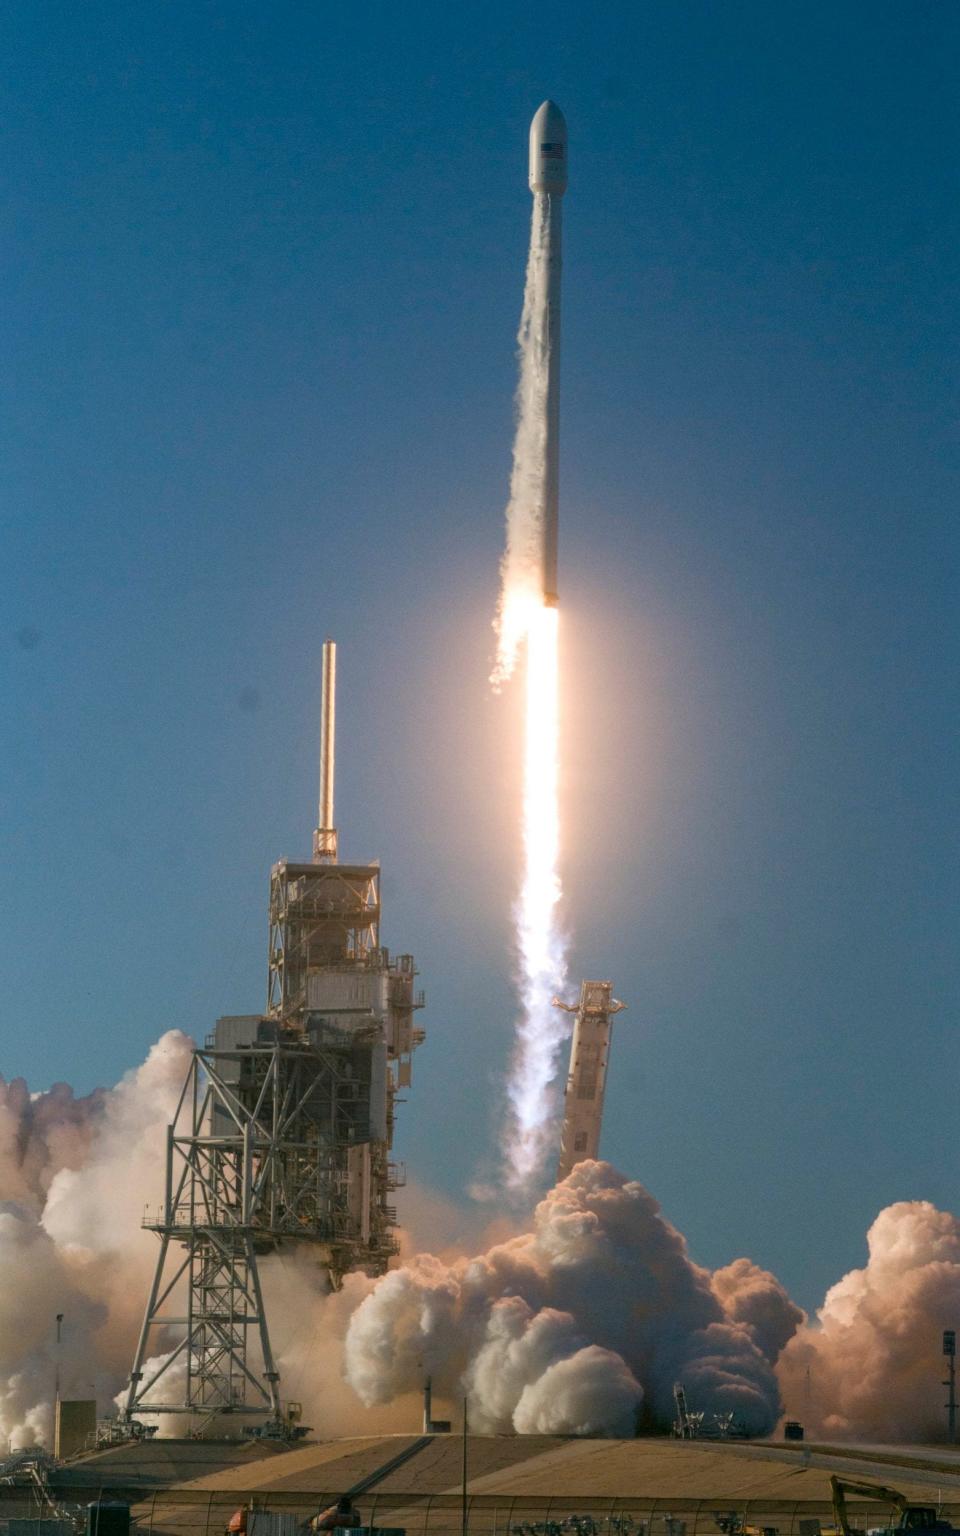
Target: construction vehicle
[{"x": 910, "y": 1517}]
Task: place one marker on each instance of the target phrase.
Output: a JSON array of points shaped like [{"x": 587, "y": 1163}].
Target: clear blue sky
[{"x": 263, "y": 269}]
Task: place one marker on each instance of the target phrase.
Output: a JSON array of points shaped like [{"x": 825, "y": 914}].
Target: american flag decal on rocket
[{"x": 548, "y": 151}]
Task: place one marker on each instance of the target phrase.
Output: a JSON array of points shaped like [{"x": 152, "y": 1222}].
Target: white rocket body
[
  {"x": 548, "y": 150},
  {"x": 548, "y": 180}
]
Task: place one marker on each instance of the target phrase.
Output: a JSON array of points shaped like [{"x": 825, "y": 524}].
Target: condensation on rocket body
[{"x": 548, "y": 181}]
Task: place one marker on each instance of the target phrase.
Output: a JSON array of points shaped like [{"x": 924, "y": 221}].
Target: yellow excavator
[{"x": 910, "y": 1517}]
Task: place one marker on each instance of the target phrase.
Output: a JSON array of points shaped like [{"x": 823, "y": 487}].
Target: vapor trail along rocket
[{"x": 548, "y": 180}]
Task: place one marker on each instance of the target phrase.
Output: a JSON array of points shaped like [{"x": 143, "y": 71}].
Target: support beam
[{"x": 586, "y": 1081}]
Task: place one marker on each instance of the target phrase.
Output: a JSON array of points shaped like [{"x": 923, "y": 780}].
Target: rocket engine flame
[
  {"x": 540, "y": 939},
  {"x": 527, "y": 621}
]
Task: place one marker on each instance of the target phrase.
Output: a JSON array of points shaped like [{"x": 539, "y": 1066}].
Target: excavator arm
[{"x": 840, "y": 1487}]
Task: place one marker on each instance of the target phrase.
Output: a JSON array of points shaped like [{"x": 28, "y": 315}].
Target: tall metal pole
[
  {"x": 56, "y": 1392},
  {"x": 463, "y": 1479},
  {"x": 950, "y": 1350},
  {"x": 325, "y": 837}
]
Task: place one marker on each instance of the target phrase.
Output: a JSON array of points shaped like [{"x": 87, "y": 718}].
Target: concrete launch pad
[
  {"x": 542, "y": 1485},
  {"x": 536, "y": 1485}
]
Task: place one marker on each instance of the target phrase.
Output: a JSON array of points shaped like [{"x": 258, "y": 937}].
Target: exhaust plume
[
  {"x": 521, "y": 568},
  {"x": 577, "y": 1325},
  {"x": 524, "y": 621}
]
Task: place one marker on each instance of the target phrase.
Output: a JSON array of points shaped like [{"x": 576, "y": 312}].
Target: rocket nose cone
[
  {"x": 550, "y": 119},
  {"x": 548, "y": 150}
]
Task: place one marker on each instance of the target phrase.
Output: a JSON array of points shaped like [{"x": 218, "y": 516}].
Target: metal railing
[{"x": 202, "y": 1512}]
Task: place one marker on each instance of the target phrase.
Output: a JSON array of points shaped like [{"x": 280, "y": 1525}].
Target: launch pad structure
[
  {"x": 587, "y": 1078},
  {"x": 283, "y": 1132}
]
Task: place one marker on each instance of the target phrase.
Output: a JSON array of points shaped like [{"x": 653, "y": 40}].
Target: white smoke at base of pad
[
  {"x": 579, "y": 1326},
  {"x": 572, "y": 1326},
  {"x": 526, "y": 623},
  {"x": 870, "y": 1367},
  {"x": 74, "y": 1177}
]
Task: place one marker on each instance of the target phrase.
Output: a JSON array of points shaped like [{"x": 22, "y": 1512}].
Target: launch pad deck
[{"x": 539, "y": 1476}]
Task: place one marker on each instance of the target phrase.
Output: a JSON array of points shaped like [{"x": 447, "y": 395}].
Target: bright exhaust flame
[
  {"x": 540, "y": 1030},
  {"x": 525, "y": 624}
]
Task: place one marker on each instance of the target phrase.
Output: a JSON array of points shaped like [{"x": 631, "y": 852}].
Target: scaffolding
[
  {"x": 321, "y": 916},
  {"x": 282, "y": 1134}
]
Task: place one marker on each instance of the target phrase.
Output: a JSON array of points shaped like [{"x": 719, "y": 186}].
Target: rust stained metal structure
[
  {"x": 283, "y": 1133},
  {"x": 587, "y": 1077}
]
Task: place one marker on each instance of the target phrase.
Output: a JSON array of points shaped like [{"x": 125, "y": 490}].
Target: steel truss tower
[
  {"x": 282, "y": 1134},
  {"x": 587, "y": 1078}
]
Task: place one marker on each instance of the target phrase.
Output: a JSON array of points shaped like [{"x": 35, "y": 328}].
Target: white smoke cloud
[
  {"x": 593, "y": 1392},
  {"x": 40, "y": 1134},
  {"x": 131, "y": 1134},
  {"x": 871, "y": 1367},
  {"x": 519, "y": 1347},
  {"x": 574, "y": 1323},
  {"x": 749, "y": 1294},
  {"x": 574, "y": 1326},
  {"x": 35, "y": 1284},
  {"x": 74, "y": 1174}
]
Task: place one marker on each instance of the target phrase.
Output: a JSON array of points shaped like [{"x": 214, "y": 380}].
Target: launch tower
[{"x": 283, "y": 1131}]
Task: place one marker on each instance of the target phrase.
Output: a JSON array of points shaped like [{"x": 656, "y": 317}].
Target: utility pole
[
  {"x": 56, "y": 1392},
  {"x": 463, "y": 1479},
  {"x": 950, "y": 1351}
]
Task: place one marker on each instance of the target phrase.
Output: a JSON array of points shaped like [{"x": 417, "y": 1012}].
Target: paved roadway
[{"x": 889, "y": 1464}]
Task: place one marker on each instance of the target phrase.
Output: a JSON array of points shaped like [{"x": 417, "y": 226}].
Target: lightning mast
[
  {"x": 283, "y": 1132},
  {"x": 325, "y": 837}
]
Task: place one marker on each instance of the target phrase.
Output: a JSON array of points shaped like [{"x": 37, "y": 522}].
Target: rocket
[
  {"x": 548, "y": 150},
  {"x": 548, "y": 181}
]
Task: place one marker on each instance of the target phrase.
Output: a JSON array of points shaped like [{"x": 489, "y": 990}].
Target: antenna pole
[
  {"x": 463, "y": 1475},
  {"x": 56, "y": 1392},
  {"x": 325, "y": 837}
]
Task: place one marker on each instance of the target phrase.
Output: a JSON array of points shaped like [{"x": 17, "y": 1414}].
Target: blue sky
[{"x": 262, "y": 274}]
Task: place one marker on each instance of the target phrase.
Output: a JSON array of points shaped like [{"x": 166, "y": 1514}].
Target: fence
[{"x": 196, "y": 1512}]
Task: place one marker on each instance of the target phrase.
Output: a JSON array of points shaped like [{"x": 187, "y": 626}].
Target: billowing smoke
[
  {"x": 871, "y": 1368},
  {"x": 40, "y": 1134},
  {"x": 749, "y": 1294},
  {"x": 581, "y": 1325},
  {"x": 74, "y": 1176}
]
